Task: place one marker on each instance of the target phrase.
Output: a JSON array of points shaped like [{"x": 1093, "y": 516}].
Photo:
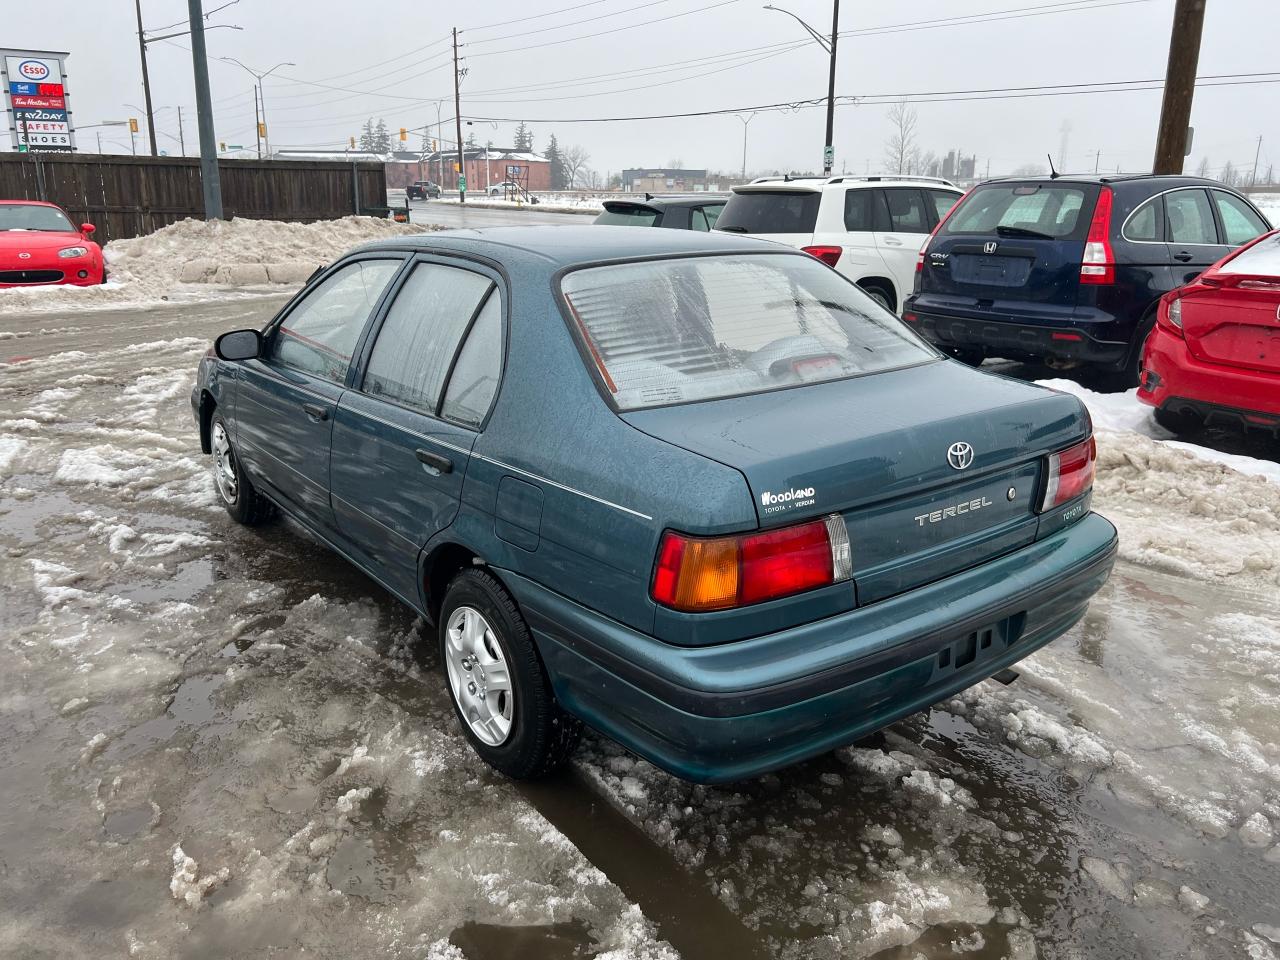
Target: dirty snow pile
[
  {"x": 192, "y": 259},
  {"x": 1180, "y": 507}
]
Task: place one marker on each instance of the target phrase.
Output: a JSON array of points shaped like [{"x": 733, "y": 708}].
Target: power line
[{"x": 562, "y": 26}]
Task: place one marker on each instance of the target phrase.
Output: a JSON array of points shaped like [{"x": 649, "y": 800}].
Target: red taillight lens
[
  {"x": 828, "y": 255},
  {"x": 1070, "y": 474},
  {"x": 1099, "y": 263},
  {"x": 698, "y": 574}
]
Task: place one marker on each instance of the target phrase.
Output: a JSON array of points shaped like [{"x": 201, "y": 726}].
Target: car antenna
[
  {"x": 648, "y": 195},
  {"x": 1053, "y": 174}
]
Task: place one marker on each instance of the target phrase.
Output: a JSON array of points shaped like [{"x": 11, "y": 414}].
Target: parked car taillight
[
  {"x": 1170, "y": 311},
  {"x": 828, "y": 255},
  {"x": 1071, "y": 473},
  {"x": 1099, "y": 263},
  {"x": 697, "y": 574}
]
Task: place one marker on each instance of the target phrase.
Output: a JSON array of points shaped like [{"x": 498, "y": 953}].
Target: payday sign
[{"x": 37, "y": 103}]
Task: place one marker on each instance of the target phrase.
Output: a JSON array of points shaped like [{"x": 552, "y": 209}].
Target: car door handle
[
  {"x": 892, "y": 242},
  {"x": 315, "y": 411},
  {"x": 1183, "y": 256},
  {"x": 434, "y": 460}
]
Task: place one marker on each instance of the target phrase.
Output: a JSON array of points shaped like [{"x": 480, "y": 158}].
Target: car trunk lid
[
  {"x": 1234, "y": 319},
  {"x": 879, "y": 451}
]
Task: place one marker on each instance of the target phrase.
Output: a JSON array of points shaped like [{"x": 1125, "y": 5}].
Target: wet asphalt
[{"x": 170, "y": 681}]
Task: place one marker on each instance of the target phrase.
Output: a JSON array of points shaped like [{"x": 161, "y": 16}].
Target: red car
[
  {"x": 40, "y": 244},
  {"x": 1214, "y": 354}
]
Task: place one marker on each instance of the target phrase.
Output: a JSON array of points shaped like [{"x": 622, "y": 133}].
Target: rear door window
[
  {"x": 1240, "y": 223},
  {"x": 698, "y": 220},
  {"x": 474, "y": 380},
  {"x": 770, "y": 212},
  {"x": 628, "y": 217},
  {"x": 1146, "y": 224},
  {"x": 420, "y": 335},
  {"x": 907, "y": 212},
  {"x": 1046, "y": 210},
  {"x": 318, "y": 335},
  {"x": 1189, "y": 219},
  {"x": 942, "y": 202},
  {"x": 712, "y": 213},
  {"x": 698, "y": 328}
]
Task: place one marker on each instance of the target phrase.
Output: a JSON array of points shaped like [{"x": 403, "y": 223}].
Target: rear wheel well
[
  {"x": 885, "y": 287},
  {"x": 443, "y": 564},
  {"x": 207, "y": 406}
]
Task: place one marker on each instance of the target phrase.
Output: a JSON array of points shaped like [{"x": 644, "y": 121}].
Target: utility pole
[
  {"x": 1179, "y": 86},
  {"x": 745, "y": 124},
  {"x": 257, "y": 122},
  {"x": 1253, "y": 180},
  {"x": 457, "y": 116},
  {"x": 146, "y": 79},
  {"x": 1097, "y": 161},
  {"x": 182, "y": 137},
  {"x": 829, "y": 150},
  {"x": 210, "y": 184}
]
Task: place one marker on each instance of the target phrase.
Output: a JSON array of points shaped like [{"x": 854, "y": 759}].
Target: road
[
  {"x": 172, "y": 681},
  {"x": 469, "y": 215}
]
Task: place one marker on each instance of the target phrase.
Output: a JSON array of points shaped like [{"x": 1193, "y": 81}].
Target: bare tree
[
  {"x": 1203, "y": 169},
  {"x": 1029, "y": 170},
  {"x": 900, "y": 148},
  {"x": 1229, "y": 175},
  {"x": 574, "y": 160}
]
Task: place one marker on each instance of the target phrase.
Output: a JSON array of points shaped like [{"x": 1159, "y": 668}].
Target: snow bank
[
  {"x": 1269, "y": 204},
  {"x": 192, "y": 258},
  {"x": 585, "y": 205}
]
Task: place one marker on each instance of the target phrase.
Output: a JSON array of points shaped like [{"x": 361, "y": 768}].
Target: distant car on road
[
  {"x": 697, "y": 211},
  {"x": 1214, "y": 353},
  {"x": 422, "y": 190},
  {"x": 869, "y": 228},
  {"x": 1070, "y": 270},
  {"x": 40, "y": 245},
  {"x": 697, "y": 491}
]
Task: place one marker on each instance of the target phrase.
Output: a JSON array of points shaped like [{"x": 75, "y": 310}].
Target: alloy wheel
[
  {"x": 224, "y": 465},
  {"x": 479, "y": 676}
]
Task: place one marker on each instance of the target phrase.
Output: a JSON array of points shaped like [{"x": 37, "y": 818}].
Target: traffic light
[
  {"x": 222, "y": 147},
  {"x": 133, "y": 124},
  {"x": 352, "y": 141},
  {"x": 434, "y": 148},
  {"x": 404, "y": 134},
  {"x": 262, "y": 131}
]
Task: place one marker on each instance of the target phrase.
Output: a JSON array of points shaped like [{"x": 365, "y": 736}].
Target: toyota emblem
[
  {"x": 960, "y": 455},
  {"x": 990, "y": 246},
  {"x": 24, "y": 256}
]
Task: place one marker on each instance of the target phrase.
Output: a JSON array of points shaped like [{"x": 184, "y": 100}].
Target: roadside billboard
[{"x": 36, "y": 99}]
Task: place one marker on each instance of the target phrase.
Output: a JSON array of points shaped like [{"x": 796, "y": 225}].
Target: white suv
[{"x": 871, "y": 229}]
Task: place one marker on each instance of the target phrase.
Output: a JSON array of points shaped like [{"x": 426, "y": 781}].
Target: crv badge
[{"x": 960, "y": 455}]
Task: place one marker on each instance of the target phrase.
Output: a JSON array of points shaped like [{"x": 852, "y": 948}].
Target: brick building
[{"x": 485, "y": 166}]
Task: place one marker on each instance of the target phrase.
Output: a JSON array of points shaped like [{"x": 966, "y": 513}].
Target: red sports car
[
  {"x": 1214, "y": 353},
  {"x": 40, "y": 244}
]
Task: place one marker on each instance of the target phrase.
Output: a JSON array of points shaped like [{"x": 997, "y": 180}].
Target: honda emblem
[{"x": 989, "y": 246}]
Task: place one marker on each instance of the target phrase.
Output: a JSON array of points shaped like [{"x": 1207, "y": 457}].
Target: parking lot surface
[{"x": 219, "y": 741}]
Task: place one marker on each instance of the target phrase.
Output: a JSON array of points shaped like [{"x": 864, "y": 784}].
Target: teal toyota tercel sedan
[{"x": 696, "y": 491}]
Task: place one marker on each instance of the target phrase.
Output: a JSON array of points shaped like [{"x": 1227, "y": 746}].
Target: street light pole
[
  {"x": 829, "y": 45},
  {"x": 261, "y": 131},
  {"x": 210, "y": 184},
  {"x": 745, "y": 123}
]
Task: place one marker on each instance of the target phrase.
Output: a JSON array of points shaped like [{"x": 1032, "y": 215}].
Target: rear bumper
[
  {"x": 1175, "y": 379},
  {"x": 736, "y": 710},
  {"x": 1019, "y": 339}
]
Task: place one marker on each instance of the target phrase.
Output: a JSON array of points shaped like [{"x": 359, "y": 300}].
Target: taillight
[
  {"x": 941, "y": 220},
  {"x": 828, "y": 255},
  {"x": 1070, "y": 474},
  {"x": 1174, "y": 312},
  {"x": 698, "y": 574},
  {"x": 1099, "y": 263}
]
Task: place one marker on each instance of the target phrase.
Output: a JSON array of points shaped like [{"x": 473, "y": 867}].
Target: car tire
[
  {"x": 519, "y": 729},
  {"x": 236, "y": 492},
  {"x": 880, "y": 296}
]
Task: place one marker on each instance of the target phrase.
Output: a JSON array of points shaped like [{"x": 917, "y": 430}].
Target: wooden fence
[{"x": 131, "y": 196}]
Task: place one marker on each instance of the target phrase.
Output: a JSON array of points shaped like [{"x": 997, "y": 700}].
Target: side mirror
[
  {"x": 239, "y": 345},
  {"x": 87, "y": 228}
]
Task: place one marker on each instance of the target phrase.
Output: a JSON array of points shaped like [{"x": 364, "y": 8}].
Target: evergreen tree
[
  {"x": 367, "y": 137},
  {"x": 524, "y": 139},
  {"x": 557, "y": 164},
  {"x": 381, "y": 137},
  {"x": 471, "y": 139}
]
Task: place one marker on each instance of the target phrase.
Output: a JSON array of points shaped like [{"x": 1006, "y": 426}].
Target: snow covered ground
[
  {"x": 218, "y": 741},
  {"x": 196, "y": 260}
]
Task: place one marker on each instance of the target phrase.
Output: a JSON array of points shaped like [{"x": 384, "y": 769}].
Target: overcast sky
[{"x": 390, "y": 59}]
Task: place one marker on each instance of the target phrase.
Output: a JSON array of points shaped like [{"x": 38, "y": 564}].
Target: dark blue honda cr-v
[
  {"x": 696, "y": 490},
  {"x": 1069, "y": 270}
]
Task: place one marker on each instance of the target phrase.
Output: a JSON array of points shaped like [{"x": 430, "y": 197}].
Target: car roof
[
  {"x": 789, "y": 184},
  {"x": 658, "y": 201},
  {"x": 1103, "y": 178},
  {"x": 565, "y": 246}
]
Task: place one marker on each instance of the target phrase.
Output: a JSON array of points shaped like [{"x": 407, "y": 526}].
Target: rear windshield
[
  {"x": 698, "y": 328},
  {"x": 1047, "y": 210},
  {"x": 1262, "y": 259},
  {"x": 19, "y": 216},
  {"x": 777, "y": 212},
  {"x": 628, "y": 217}
]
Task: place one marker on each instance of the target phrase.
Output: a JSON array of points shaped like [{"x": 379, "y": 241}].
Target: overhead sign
[{"x": 37, "y": 103}]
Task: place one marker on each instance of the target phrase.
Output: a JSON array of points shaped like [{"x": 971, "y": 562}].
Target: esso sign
[{"x": 33, "y": 70}]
